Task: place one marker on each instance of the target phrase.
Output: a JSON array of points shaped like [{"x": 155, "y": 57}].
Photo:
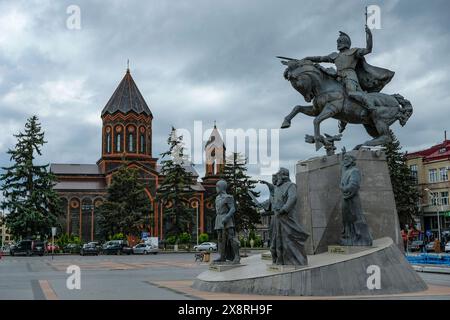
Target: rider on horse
[
  {"x": 350, "y": 93},
  {"x": 357, "y": 76}
]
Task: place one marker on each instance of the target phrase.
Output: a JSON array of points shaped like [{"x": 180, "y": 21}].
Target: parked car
[
  {"x": 28, "y": 247},
  {"x": 429, "y": 247},
  {"x": 416, "y": 245},
  {"x": 96, "y": 243},
  {"x": 447, "y": 247},
  {"x": 117, "y": 247},
  {"x": 206, "y": 246},
  {"x": 90, "y": 248},
  {"x": 72, "y": 248},
  {"x": 145, "y": 248}
]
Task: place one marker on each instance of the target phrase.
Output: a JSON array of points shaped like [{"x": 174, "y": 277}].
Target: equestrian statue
[{"x": 350, "y": 93}]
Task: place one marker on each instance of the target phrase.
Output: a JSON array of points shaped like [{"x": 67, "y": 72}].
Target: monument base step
[
  {"x": 224, "y": 267},
  {"x": 283, "y": 268},
  {"x": 347, "y": 249}
]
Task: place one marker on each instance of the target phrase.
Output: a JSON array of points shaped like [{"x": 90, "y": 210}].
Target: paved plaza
[
  {"x": 163, "y": 276},
  {"x": 102, "y": 277}
]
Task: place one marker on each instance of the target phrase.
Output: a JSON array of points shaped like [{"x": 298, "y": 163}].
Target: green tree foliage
[
  {"x": 175, "y": 188},
  {"x": 171, "y": 240},
  {"x": 184, "y": 238},
  {"x": 239, "y": 185},
  {"x": 118, "y": 236},
  {"x": 257, "y": 241},
  {"x": 33, "y": 205},
  {"x": 127, "y": 208},
  {"x": 65, "y": 239},
  {"x": 203, "y": 237},
  {"x": 405, "y": 191}
]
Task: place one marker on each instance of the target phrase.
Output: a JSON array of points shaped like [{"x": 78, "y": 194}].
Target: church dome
[{"x": 127, "y": 98}]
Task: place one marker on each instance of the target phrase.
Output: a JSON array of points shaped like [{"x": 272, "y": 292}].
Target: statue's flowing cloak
[
  {"x": 371, "y": 78},
  {"x": 288, "y": 236}
]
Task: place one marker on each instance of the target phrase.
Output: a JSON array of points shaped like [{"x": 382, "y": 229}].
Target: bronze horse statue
[{"x": 330, "y": 100}]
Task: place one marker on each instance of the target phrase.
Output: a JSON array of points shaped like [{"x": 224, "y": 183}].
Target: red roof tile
[{"x": 436, "y": 152}]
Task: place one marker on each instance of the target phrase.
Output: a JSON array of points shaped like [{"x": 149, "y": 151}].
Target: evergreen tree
[
  {"x": 175, "y": 189},
  {"x": 33, "y": 205},
  {"x": 239, "y": 185},
  {"x": 127, "y": 208},
  {"x": 405, "y": 191}
]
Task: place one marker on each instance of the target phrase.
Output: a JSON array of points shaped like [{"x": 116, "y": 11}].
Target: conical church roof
[{"x": 127, "y": 98}]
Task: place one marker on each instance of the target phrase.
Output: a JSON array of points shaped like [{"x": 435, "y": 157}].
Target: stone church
[{"x": 127, "y": 139}]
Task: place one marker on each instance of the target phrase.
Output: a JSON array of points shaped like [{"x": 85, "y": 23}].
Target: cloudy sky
[{"x": 207, "y": 60}]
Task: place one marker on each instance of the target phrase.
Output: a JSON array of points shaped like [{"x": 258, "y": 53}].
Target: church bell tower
[
  {"x": 214, "y": 155},
  {"x": 127, "y": 128}
]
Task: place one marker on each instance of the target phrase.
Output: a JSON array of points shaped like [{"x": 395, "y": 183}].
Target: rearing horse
[{"x": 330, "y": 100}]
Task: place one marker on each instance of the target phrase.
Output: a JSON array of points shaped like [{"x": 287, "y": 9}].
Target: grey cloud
[{"x": 179, "y": 50}]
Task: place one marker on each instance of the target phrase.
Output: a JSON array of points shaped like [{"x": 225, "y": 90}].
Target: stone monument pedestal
[
  {"x": 327, "y": 274},
  {"x": 332, "y": 270},
  {"x": 319, "y": 198}
]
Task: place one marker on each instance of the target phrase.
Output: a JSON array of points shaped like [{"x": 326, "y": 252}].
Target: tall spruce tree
[
  {"x": 127, "y": 208},
  {"x": 175, "y": 189},
  {"x": 33, "y": 205},
  {"x": 239, "y": 185},
  {"x": 405, "y": 192}
]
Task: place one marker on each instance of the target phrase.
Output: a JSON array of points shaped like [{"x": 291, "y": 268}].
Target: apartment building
[{"x": 430, "y": 170}]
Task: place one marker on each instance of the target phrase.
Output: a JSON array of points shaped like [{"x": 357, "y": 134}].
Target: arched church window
[
  {"x": 142, "y": 142},
  {"x": 131, "y": 139},
  {"x": 118, "y": 142},
  {"x": 108, "y": 142},
  {"x": 118, "y": 138},
  {"x": 130, "y": 143},
  {"x": 75, "y": 217}
]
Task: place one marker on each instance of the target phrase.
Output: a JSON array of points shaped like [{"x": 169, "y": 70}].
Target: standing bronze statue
[
  {"x": 288, "y": 237},
  {"x": 228, "y": 244},
  {"x": 355, "y": 230},
  {"x": 350, "y": 93}
]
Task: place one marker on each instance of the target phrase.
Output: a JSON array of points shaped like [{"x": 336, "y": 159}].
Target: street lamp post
[
  {"x": 53, "y": 240},
  {"x": 196, "y": 210}
]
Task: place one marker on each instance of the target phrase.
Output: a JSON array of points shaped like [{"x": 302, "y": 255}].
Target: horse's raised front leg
[
  {"x": 308, "y": 110},
  {"x": 327, "y": 112}
]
